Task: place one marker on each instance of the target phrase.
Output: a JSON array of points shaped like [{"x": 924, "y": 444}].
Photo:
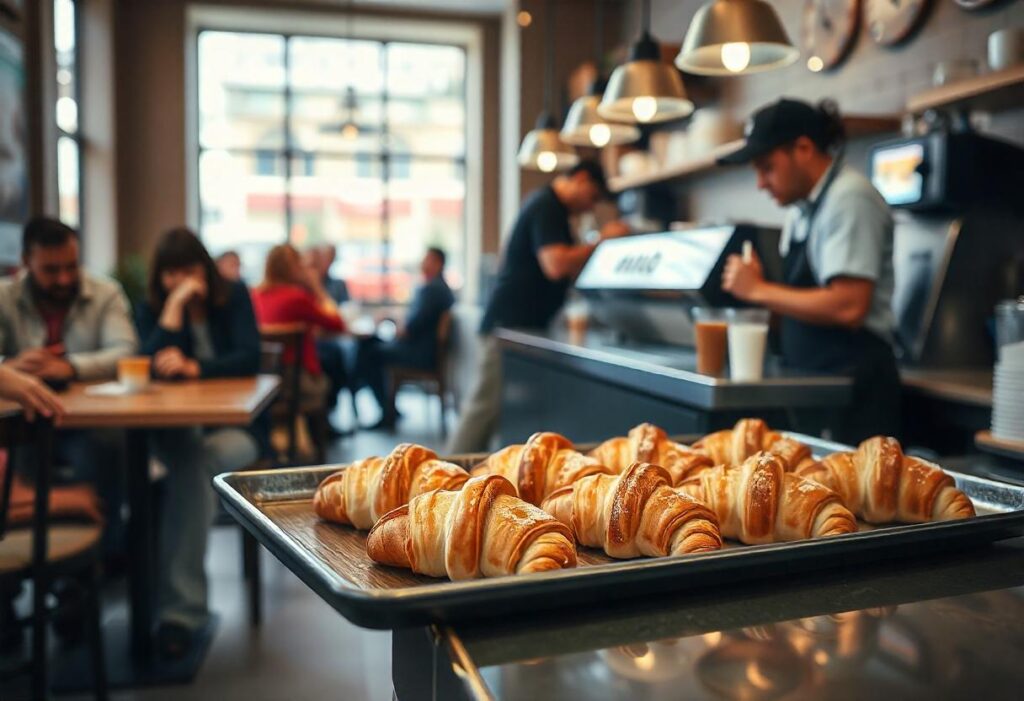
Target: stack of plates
[{"x": 1008, "y": 394}]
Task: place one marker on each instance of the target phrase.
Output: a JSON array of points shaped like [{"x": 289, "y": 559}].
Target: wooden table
[{"x": 219, "y": 402}]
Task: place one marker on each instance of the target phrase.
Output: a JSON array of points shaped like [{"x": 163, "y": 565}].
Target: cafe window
[
  {"x": 354, "y": 142},
  {"x": 69, "y": 137}
]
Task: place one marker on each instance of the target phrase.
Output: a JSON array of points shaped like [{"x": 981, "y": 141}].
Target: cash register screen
[
  {"x": 675, "y": 260},
  {"x": 895, "y": 174}
]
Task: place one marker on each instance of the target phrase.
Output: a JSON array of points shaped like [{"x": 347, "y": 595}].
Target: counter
[
  {"x": 944, "y": 409},
  {"x": 933, "y": 627},
  {"x": 546, "y": 378}
]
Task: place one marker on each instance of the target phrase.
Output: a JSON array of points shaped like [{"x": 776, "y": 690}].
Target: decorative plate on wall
[
  {"x": 829, "y": 30},
  {"x": 891, "y": 21},
  {"x": 975, "y": 4}
]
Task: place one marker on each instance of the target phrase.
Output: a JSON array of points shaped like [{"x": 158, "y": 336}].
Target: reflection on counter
[{"x": 940, "y": 649}]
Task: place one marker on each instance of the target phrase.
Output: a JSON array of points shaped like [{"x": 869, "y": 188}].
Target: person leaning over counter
[
  {"x": 540, "y": 261},
  {"x": 834, "y": 302}
]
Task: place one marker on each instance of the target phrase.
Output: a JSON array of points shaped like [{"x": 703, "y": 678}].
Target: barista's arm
[
  {"x": 560, "y": 261},
  {"x": 843, "y": 301}
]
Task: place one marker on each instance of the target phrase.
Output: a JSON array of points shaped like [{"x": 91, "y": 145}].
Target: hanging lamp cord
[
  {"x": 549, "y": 49},
  {"x": 647, "y": 17}
]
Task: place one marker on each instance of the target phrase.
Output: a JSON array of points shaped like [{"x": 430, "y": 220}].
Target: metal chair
[
  {"x": 46, "y": 552},
  {"x": 430, "y": 381}
]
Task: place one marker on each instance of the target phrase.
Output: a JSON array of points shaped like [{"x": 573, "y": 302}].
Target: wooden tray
[{"x": 276, "y": 507}]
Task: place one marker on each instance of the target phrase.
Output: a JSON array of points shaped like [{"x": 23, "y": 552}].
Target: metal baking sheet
[{"x": 276, "y": 507}]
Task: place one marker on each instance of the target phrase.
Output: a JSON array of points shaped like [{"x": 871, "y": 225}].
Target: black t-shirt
[{"x": 524, "y": 297}]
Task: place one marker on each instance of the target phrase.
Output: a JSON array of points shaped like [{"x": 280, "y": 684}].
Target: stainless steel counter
[
  {"x": 947, "y": 627},
  {"x": 671, "y": 373}
]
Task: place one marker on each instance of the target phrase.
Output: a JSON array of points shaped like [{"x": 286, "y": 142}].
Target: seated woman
[
  {"x": 195, "y": 325},
  {"x": 293, "y": 293}
]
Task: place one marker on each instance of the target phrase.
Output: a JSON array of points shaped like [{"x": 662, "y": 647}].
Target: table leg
[
  {"x": 43, "y": 434},
  {"x": 140, "y": 543}
]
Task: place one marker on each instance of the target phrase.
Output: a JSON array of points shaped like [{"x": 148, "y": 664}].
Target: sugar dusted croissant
[
  {"x": 648, "y": 443},
  {"x": 759, "y": 502},
  {"x": 367, "y": 489},
  {"x": 881, "y": 484},
  {"x": 482, "y": 530},
  {"x": 749, "y": 436},
  {"x": 546, "y": 462},
  {"x": 635, "y": 513}
]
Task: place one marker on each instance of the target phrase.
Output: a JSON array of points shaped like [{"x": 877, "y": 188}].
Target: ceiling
[{"x": 482, "y": 7}]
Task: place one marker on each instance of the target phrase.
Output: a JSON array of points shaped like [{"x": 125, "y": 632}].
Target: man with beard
[{"x": 60, "y": 324}]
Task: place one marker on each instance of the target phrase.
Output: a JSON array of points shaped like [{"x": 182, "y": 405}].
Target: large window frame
[
  {"x": 73, "y": 136},
  {"x": 385, "y": 32}
]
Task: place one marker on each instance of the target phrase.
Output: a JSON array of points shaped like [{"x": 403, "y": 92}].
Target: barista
[{"x": 834, "y": 301}]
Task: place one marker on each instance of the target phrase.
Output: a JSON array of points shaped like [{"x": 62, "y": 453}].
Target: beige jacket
[{"x": 98, "y": 329}]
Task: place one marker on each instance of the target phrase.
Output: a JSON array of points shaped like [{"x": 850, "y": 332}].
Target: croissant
[
  {"x": 546, "y": 462},
  {"x": 369, "y": 488},
  {"x": 749, "y": 436},
  {"x": 635, "y": 513},
  {"x": 881, "y": 484},
  {"x": 483, "y": 530},
  {"x": 648, "y": 443},
  {"x": 759, "y": 502}
]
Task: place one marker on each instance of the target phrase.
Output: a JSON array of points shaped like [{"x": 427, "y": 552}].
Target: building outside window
[
  {"x": 69, "y": 137},
  {"x": 286, "y": 154}
]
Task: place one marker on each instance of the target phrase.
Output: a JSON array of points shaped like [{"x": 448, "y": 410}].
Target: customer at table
[
  {"x": 415, "y": 344},
  {"x": 540, "y": 262},
  {"x": 195, "y": 325},
  {"x": 835, "y": 299},
  {"x": 293, "y": 293},
  {"x": 324, "y": 256},
  {"x": 229, "y": 265},
  {"x": 59, "y": 323}
]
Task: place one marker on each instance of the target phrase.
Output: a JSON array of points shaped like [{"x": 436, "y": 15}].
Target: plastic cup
[
  {"x": 133, "y": 373},
  {"x": 710, "y": 330},
  {"x": 748, "y": 339},
  {"x": 577, "y": 318}
]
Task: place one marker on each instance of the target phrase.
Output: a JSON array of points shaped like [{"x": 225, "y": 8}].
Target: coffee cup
[
  {"x": 133, "y": 373},
  {"x": 1006, "y": 48},
  {"x": 748, "y": 341},
  {"x": 710, "y": 330},
  {"x": 577, "y": 318}
]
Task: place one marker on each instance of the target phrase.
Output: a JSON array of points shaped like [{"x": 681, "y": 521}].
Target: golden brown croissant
[
  {"x": 635, "y": 513},
  {"x": 648, "y": 443},
  {"x": 546, "y": 462},
  {"x": 483, "y": 530},
  {"x": 759, "y": 502},
  {"x": 881, "y": 484},
  {"x": 367, "y": 489},
  {"x": 749, "y": 436}
]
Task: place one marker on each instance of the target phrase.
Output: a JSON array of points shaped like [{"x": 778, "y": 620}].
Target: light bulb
[
  {"x": 815, "y": 64},
  {"x": 644, "y": 108},
  {"x": 350, "y": 131},
  {"x": 547, "y": 161},
  {"x": 600, "y": 135},
  {"x": 736, "y": 56}
]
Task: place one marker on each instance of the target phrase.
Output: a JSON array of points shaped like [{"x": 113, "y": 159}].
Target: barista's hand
[
  {"x": 743, "y": 280},
  {"x": 615, "y": 229}
]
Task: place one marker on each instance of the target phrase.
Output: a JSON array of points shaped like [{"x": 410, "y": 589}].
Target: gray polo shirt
[
  {"x": 98, "y": 329},
  {"x": 851, "y": 235}
]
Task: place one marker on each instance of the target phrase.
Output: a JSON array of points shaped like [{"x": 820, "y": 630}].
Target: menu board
[{"x": 674, "y": 260}]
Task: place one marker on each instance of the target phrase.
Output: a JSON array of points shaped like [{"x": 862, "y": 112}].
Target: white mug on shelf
[{"x": 1006, "y": 48}]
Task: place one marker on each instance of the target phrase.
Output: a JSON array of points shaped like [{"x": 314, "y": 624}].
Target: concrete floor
[{"x": 304, "y": 649}]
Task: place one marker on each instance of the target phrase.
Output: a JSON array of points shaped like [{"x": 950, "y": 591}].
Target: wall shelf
[
  {"x": 992, "y": 91},
  {"x": 856, "y": 126}
]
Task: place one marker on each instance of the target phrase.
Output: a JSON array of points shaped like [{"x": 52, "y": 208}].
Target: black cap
[
  {"x": 778, "y": 124},
  {"x": 593, "y": 169}
]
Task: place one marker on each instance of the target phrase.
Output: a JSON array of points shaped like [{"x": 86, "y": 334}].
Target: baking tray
[{"x": 276, "y": 507}]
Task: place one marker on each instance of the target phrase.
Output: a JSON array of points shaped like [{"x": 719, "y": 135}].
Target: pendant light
[
  {"x": 350, "y": 127},
  {"x": 583, "y": 125},
  {"x": 645, "y": 90},
  {"x": 735, "y": 37},
  {"x": 542, "y": 148}
]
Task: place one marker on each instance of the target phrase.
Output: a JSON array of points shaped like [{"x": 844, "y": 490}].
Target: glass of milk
[{"x": 748, "y": 338}]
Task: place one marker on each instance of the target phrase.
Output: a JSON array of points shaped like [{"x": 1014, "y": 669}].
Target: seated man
[
  {"x": 415, "y": 345},
  {"x": 60, "y": 324}
]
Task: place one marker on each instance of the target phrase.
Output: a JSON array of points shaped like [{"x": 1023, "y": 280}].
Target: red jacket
[{"x": 289, "y": 304}]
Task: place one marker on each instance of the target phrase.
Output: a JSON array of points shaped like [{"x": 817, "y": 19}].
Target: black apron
[{"x": 867, "y": 358}]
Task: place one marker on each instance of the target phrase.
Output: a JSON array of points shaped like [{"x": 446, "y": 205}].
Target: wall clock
[
  {"x": 891, "y": 21},
  {"x": 829, "y": 29}
]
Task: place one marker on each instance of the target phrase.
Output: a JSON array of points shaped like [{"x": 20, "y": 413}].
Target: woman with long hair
[
  {"x": 194, "y": 324},
  {"x": 292, "y": 292}
]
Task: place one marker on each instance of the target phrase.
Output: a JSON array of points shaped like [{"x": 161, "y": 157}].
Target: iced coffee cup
[
  {"x": 577, "y": 317},
  {"x": 710, "y": 333},
  {"x": 133, "y": 373},
  {"x": 748, "y": 339}
]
